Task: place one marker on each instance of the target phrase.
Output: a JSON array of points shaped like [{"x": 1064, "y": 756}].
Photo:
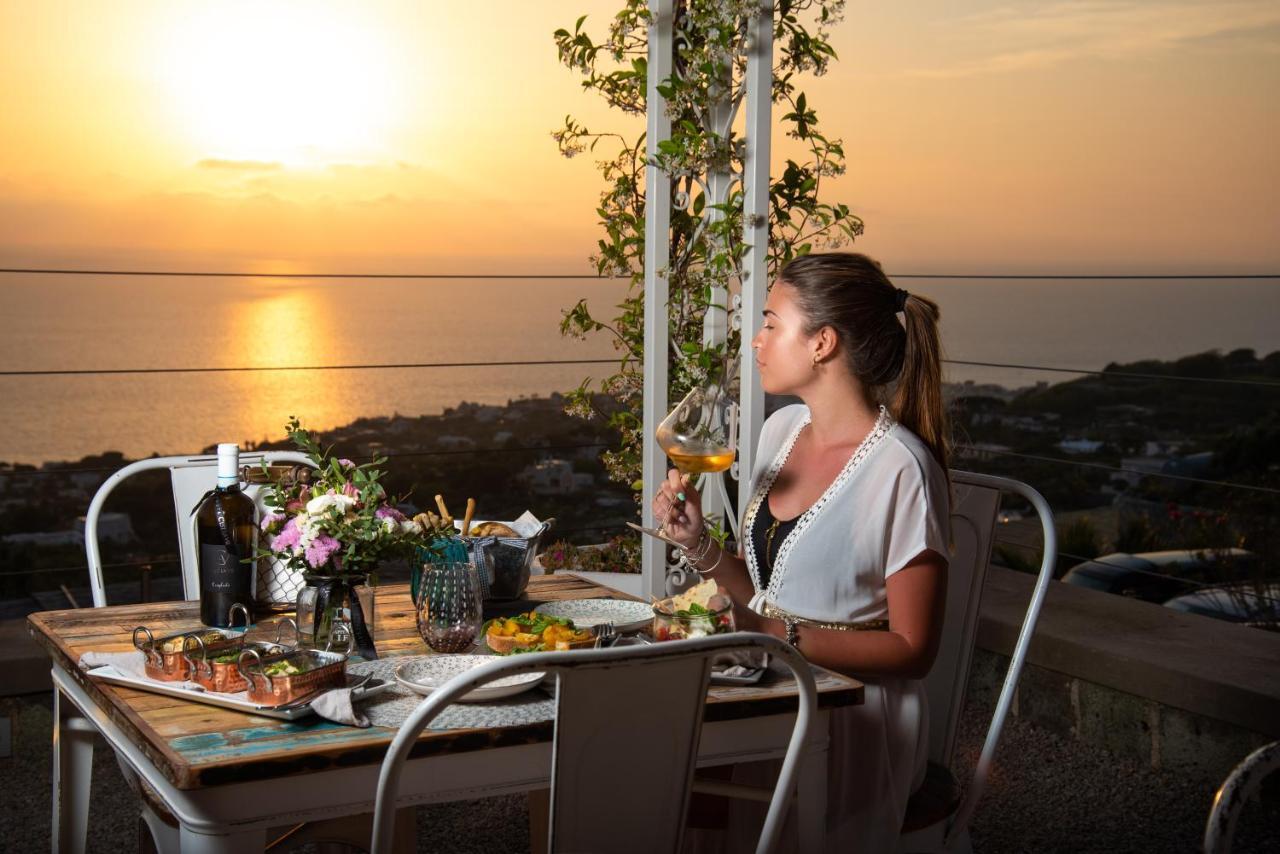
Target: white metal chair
[
  {"x": 628, "y": 721},
  {"x": 1241, "y": 784},
  {"x": 938, "y": 814},
  {"x": 190, "y": 478}
]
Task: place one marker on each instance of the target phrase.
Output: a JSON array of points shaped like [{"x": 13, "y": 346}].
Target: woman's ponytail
[{"x": 917, "y": 401}]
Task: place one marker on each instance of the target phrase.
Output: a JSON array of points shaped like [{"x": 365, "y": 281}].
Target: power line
[
  {"x": 396, "y": 455},
  {"x": 552, "y": 362},
  {"x": 1104, "y": 467},
  {"x": 49, "y": 570},
  {"x": 1086, "y": 276},
  {"x": 40, "y": 271},
  {"x": 447, "y": 276},
  {"x": 107, "y": 371},
  {"x": 1124, "y": 374}
]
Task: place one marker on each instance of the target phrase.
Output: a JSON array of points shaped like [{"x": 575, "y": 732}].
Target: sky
[{"x": 1090, "y": 136}]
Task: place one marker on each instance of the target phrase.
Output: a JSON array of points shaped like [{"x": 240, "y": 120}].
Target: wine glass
[
  {"x": 449, "y": 606},
  {"x": 700, "y": 436}
]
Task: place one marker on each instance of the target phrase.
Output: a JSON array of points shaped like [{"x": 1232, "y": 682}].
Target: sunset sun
[{"x": 294, "y": 84}]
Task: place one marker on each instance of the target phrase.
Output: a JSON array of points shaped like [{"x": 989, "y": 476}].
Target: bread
[
  {"x": 492, "y": 529},
  {"x": 700, "y": 593}
]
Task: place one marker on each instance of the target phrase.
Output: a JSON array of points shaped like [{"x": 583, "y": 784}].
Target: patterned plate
[
  {"x": 626, "y": 615},
  {"x": 426, "y": 674}
]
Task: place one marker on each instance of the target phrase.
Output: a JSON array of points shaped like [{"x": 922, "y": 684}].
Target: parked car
[
  {"x": 1254, "y": 604},
  {"x": 1157, "y": 576}
]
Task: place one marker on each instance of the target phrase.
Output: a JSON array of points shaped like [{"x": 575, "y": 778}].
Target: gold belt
[{"x": 776, "y": 613}]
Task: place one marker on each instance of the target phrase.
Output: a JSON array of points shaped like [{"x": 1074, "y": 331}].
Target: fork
[{"x": 606, "y": 634}]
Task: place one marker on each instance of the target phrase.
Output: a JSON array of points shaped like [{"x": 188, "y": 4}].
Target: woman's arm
[
  {"x": 917, "y": 596},
  {"x": 679, "y": 506}
]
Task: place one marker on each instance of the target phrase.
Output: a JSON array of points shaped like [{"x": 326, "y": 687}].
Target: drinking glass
[
  {"x": 449, "y": 606},
  {"x": 699, "y": 436}
]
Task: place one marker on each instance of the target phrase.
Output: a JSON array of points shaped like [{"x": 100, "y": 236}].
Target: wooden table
[{"x": 228, "y": 776}]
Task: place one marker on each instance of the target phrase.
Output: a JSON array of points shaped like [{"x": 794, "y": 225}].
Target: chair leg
[
  {"x": 811, "y": 800},
  {"x": 72, "y": 775}
]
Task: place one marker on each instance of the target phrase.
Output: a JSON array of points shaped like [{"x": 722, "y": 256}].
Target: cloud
[
  {"x": 1018, "y": 38},
  {"x": 239, "y": 165}
]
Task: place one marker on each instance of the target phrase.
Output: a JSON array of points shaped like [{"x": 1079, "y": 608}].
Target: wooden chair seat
[{"x": 936, "y": 799}]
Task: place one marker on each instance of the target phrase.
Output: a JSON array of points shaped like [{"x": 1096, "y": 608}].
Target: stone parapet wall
[{"x": 1171, "y": 690}]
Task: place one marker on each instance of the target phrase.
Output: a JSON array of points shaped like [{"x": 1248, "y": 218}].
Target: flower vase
[{"x": 327, "y": 601}]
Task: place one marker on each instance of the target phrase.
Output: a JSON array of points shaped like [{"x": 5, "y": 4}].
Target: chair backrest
[
  {"x": 628, "y": 721},
  {"x": 1240, "y": 787},
  {"x": 190, "y": 478},
  {"x": 973, "y": 518}
]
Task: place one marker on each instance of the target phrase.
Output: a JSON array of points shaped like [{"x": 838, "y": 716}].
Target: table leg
[
  {"x": 230, "y": 842},
  {"x": 811, "y": 791},
  {"x": 72, "y": 774}
]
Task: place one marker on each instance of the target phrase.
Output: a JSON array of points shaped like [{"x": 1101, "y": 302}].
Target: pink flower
[
  {"x": 288, "y": 537},
  {"x": 346, "y": 463},
  {"x": 270, "y": 520},
  {"x": 349, "y": 490},
  {"x": 386, "y": 511},
  {"x": 321, "y": 549}
]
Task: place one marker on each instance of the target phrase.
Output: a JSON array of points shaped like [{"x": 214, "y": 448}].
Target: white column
[
  {"x": 657, "y": 258},
  {"x": 755, "y": 179}
]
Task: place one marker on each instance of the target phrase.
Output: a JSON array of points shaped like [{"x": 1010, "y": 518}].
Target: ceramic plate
[
  {"x": 424, "y": 675},
  {"x": 626, "y": 615}
]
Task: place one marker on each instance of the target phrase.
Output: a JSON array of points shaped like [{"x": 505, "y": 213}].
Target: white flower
[
  {"x": 409, "y": 526},
  {"x": 389, "y": 525},
  {"x": 309, "y": 527},
  {"x": 320, "y": 504}
]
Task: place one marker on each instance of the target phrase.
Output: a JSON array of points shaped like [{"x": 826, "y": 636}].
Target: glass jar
[{"x": 326, "y": 602}]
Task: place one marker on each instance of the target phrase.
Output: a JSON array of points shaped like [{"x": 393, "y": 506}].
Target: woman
[{"x": 845, "y": 540}]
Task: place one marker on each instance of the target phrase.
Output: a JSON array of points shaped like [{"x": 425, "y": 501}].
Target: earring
[{"x": 815, "y": 363}]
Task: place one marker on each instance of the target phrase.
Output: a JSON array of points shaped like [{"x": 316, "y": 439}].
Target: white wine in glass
[{"x": 699, "y": 436}]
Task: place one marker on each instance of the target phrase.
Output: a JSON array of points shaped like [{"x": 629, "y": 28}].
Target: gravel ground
[{"x": 1048, "y": 795}]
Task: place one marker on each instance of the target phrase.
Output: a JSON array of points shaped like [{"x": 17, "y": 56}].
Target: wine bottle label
[{"x": 222, "y": 574}]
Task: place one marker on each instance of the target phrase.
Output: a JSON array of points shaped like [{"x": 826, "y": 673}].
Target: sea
[{"x": 92, "y": 322}]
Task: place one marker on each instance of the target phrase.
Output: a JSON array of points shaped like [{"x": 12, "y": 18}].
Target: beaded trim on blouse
[{"x": 884, "y": 422}]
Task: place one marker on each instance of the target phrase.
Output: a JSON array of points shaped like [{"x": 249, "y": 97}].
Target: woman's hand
[{"x": 678, "y": 506}]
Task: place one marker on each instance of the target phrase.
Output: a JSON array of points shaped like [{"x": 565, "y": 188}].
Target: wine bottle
[{"x": 226, "y": 530}]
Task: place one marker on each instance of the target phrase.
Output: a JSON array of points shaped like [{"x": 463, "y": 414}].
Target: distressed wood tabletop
[{"x": 196, "y": 745}]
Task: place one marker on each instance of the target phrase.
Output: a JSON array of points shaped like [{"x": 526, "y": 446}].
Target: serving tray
[{"x": 237, "y": 702}]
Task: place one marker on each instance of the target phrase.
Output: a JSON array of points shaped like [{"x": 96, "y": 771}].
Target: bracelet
[
  {"x": 703, "y": 543},
  {"x": 792, "y": 629},
  {"x": 713, "y": 566}
]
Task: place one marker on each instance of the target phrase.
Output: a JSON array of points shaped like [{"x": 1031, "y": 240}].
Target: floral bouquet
[{"x": 336, "y": 524}]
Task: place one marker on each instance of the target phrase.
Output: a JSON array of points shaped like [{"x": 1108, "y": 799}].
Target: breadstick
[
  {"x": 444, "y": 511},
  {"x": 466, "y": 520}
]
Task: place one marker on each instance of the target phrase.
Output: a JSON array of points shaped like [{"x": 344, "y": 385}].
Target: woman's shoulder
[{"x": 903, "y": 449}]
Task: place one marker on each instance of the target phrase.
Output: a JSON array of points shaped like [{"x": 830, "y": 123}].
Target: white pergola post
[
  {"x": 745, "y": 310},
  {"x": 657, "y": 259},
  {"x": 755, "y": 233}
]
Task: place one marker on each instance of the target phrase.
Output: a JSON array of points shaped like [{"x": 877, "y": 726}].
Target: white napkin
[{"x": 335, "y": 705}]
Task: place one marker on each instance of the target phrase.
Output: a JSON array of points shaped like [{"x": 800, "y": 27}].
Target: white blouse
[{"x": 888, "y": 504}]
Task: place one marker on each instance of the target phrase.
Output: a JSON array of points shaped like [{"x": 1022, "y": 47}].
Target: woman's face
[{"x": 784, "y": 354}]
